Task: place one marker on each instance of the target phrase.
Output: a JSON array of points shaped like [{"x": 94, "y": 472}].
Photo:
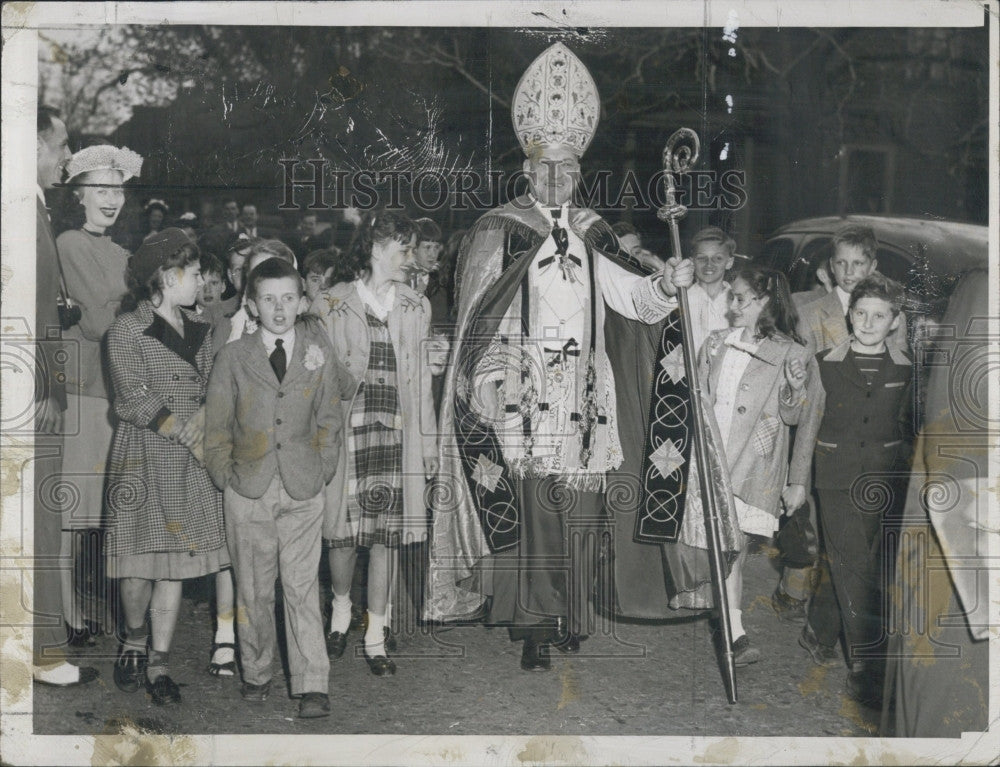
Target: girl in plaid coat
[
  {"x": 754, "y": 376},
  {"x": 165, "y": 515},
  {"x": 379, "y": 328}
]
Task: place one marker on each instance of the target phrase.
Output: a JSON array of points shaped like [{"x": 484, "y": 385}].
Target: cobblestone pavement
[{"x": 630, "y": 679}]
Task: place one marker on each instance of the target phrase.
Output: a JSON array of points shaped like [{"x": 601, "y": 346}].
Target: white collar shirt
[
  {"x": 380, "y": 307},
  {"x": 288, "y": 338},
  {"x": 845, "y": 298},
  {"x": 707, "y": 314}
]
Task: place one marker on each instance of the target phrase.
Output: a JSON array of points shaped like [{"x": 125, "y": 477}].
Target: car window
[
  {"x": 778, "y": 253},
  {"x": 803, "y": 277},
  {"x": 895, "y": 265}
]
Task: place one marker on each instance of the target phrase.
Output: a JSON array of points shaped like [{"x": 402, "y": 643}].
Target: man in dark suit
[
  {"x": 50, "y": 665},
  {"x": 306, "y": 239},
  {"x": 248, "y": 224},
  {"x": 230, "y": 216}
]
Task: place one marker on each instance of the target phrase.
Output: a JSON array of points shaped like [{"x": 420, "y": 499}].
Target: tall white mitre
[{"x": 556, "y": 103}]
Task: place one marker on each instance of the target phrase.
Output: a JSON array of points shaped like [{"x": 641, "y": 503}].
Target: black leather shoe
[
  {"x": 570, "y": 645},
  {"x": 380, "y": 665},
  {"x": 744, "y": 653},
  {"x": 535, "y": 656},
  {"x": 163, "y": 690},
  {"x": 822, "y": 655},
  {"x": 85, "y": 637},
  {"x": 336, "y": 643},
  {"x": 87, "y": 675},
  {"x": 788, "y": 608},
  {"x": 255, "y": 693},
  {"x": 564, "y": 640},
  {"x": 864, "y": 685},
  {"x": 130, "y": 670},
  {"x": 314, "y": 705}
]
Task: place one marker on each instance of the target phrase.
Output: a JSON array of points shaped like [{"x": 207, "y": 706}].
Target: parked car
[{"x": 928, "y": 256}]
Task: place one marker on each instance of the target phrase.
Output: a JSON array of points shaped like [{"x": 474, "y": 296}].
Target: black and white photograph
[{"x": 485, "y": 382}]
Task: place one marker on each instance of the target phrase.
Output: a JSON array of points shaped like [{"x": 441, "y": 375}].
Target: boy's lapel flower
[{"x": 314, "y": 357}]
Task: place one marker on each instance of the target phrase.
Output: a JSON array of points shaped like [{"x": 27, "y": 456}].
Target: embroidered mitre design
[{"x": 556, "y": 102}]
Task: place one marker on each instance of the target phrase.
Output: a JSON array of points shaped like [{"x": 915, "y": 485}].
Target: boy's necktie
[{"x": 278, "y": 360}]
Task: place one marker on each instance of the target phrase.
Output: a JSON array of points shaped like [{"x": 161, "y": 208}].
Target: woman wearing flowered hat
[{"x": 94, "y": 270}]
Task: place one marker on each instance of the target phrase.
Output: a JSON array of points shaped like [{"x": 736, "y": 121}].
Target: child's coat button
[{"x": 741, "y": 409}]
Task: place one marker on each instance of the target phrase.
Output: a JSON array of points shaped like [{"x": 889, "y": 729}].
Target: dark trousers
[
  {"x": 49, "y": 630},
  {"x": 850, "y": 569},
  {"x": 552, "y": 572}
]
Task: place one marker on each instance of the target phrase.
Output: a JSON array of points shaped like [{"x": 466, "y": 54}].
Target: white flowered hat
[{"x": 104, "y": 157}]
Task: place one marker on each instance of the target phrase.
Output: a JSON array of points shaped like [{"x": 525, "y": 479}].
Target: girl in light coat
[{"x": 754, "y": 375}]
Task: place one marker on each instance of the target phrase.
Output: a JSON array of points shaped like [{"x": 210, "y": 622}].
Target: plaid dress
[{"x": 375, "y": 449}]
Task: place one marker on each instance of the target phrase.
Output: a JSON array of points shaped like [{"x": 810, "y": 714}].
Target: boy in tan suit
[{"x": 274, "y": 426}]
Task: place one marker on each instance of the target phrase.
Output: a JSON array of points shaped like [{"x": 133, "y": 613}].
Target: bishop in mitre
[{"x": 528, "y": 424}]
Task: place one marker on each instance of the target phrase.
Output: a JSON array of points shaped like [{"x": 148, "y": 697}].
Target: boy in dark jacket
[{"x": 859, "y": 424}]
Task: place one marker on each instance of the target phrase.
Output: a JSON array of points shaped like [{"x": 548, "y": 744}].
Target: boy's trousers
[
  {"x": 267, "y": 535},
  {"x": 852, "y": 542}
]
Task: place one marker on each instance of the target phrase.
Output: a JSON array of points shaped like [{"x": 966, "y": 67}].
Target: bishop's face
[{"x": 552, "y": 172}]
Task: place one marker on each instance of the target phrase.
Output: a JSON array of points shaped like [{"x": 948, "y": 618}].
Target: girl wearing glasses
[{"x": 755, "y": 374}]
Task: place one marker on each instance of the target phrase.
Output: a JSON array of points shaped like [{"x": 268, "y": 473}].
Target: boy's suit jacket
[
  {"x": 804, "y": 297},
  {"x": 823, "y": 324},
  {"x": 855, "y": 428},
  {"x": 343, "y": 315},
  {"x": 757, "y": 448},
  {"x": 256, "y": 427}
]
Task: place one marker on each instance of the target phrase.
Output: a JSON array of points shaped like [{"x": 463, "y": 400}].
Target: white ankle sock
[
  {"x": 340, "y": 616},
  {"x": 736, "y": 623},
  {"x": 225, "y": 630},
  {"x": 375, "y": 636},
  {"x": 64, "y": 673}
]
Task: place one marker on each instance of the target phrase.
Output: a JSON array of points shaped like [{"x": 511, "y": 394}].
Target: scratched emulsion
[
  {"x": 15, "y": 584},
  {"x": 725, "y": 751},
  {"x": 570, "y": 687},
  {"x": 553, "y": 750},
  {"x": 130, "y": 744}
]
